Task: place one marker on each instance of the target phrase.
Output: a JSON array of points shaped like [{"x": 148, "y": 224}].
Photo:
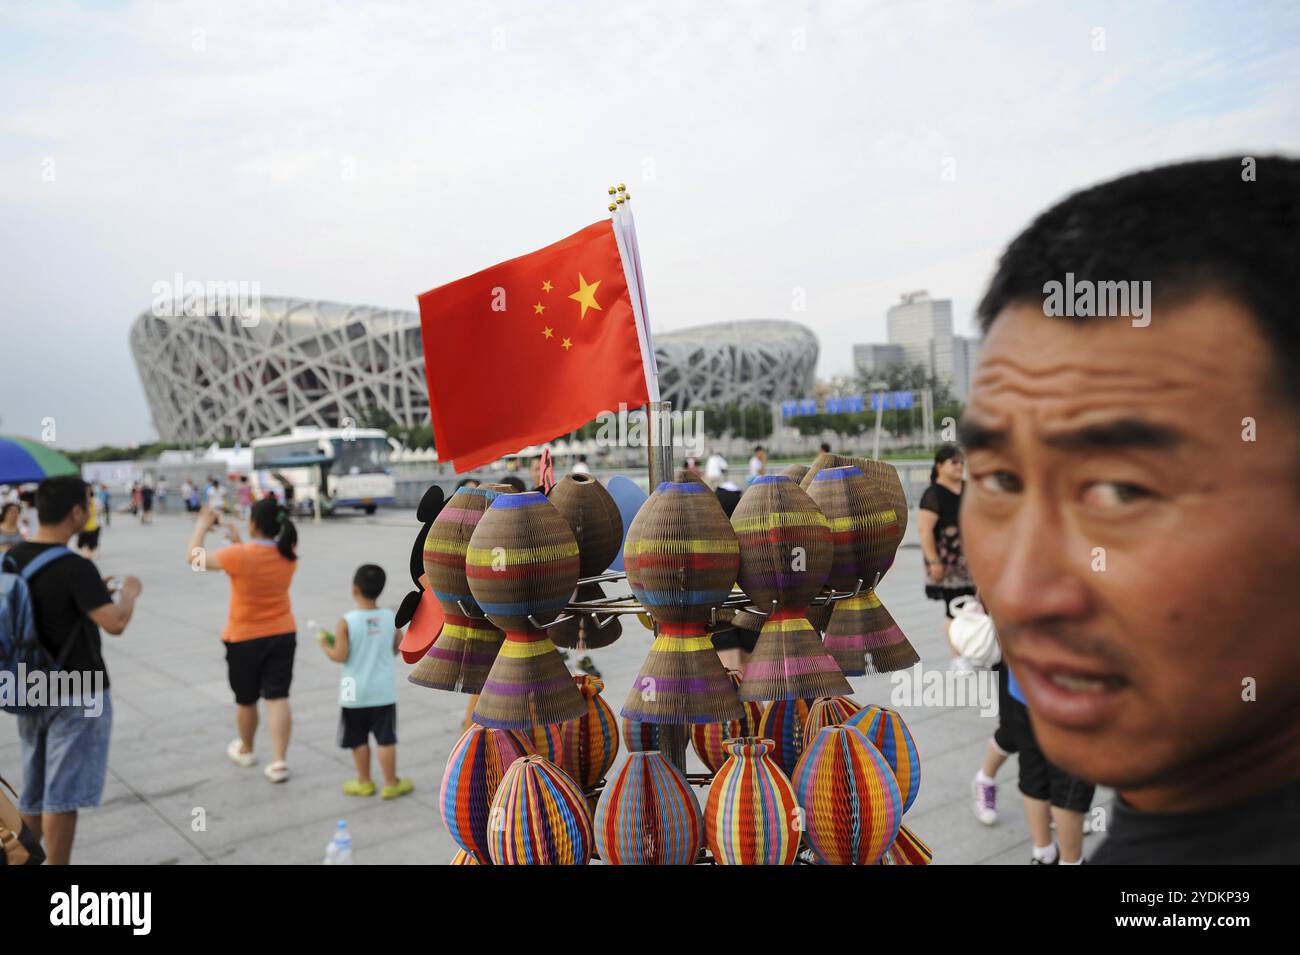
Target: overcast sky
[{"x": 367, "y": 153}]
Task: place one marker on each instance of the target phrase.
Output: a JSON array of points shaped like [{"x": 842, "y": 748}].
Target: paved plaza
[{"x": 174, "y": 715}]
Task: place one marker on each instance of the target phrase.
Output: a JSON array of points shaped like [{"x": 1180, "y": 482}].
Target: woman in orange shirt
[{"x": 260, "y": 634}]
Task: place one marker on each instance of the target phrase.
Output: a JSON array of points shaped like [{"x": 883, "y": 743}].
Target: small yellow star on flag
[
  {"x": 539, "y": 308},
  {"x": 566, "y": 344},
  {"x": 548, "y": 332},
  {"x": 586, "y": 296},
  {"x": 547, "y": 286}
]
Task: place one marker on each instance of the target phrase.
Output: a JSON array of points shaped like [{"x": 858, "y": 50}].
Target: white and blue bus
[{"x": 337, "y": 467}]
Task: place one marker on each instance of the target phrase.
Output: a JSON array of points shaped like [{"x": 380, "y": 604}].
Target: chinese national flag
[{"x": 531, "y": 348}]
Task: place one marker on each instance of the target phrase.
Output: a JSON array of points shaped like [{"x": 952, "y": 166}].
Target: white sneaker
[
  {"x": 986, "y": 801},
  {"x": 239, "y": 758}
]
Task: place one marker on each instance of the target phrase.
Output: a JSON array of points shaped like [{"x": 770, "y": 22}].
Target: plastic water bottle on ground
[{"x": 339, "y": 851}]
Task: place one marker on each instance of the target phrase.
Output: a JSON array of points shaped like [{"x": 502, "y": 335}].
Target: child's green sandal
[
  {"x": 402, "y": 787},
  {"x": 355, "y": 787}
]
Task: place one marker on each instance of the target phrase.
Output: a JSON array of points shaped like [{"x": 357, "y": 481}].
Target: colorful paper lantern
[
  {"x": 888, "y": 732},
  {"x": 708, "y": 739},
  {"x": 547, "y": 741},
  {"x": 540, "y": 817},
  {"x": 681, "y": 557},
  {"x": 785, "y": 556},
  {"x": 908, "y": 849},
  {"x": 463, "y": 858},
  {"x": 750, "y": 815},
  {"x": 464, "y": 650},
  {"x": 588, "y": 744},
  {"x": 522, "y": 565},
  {"x": 828, "y": 711},
  {"x": 477, "y": 764},
  {"x": 851, "y": 805},
  {"x": 648, "y": 815},
  {"x": 863, "y": 619},
  {"x": 639, "y": 737},
  {"x": 597, "y": 526},
  {"x": 782, "y": 723}
]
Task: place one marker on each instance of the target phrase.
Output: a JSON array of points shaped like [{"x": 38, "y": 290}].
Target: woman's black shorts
[{"x": 261, "y": 667}]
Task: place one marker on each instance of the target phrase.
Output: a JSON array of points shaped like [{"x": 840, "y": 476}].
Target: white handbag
[{"x": 972, "y": 632}]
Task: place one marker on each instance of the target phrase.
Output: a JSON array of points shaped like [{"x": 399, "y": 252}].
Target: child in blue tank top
[{"x": 366, "y": 643}]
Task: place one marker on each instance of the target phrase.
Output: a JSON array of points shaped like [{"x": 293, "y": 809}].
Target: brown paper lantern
[
  {"x": 522, "y": 565},
  {"x": 681, "y": 557},
  {"x": 785, "y": 556},
  {"x": 464, "y": 650}
]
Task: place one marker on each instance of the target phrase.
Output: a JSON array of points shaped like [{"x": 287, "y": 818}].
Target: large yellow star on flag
[{"x": 586, "y": 296}]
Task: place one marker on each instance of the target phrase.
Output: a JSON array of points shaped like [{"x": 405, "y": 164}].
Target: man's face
[{"x": 1138, "y": 554}]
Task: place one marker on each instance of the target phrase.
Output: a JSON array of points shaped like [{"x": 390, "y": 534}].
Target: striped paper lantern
[
  {"x": 681, "y": 557},
  {"x": 828, "y": 711},
  {"x": 708, "y": 739},
  {"x": 464, "y": 650},
  {"x": 522, "y": 562},
  {"x": 851, "y": 804},
  {"x": 908, "y": 849},
  {"x": 782, "y": 723},
  {"x": 639, "y": 737},
  {"x": 463, "y": 858},
  {"x": 749, "y": 818},
  {"x": 863, "y": 619},
  {"x": 589, "y": 744},
  {"x": 477, "y": 764},
  {"x": 889, "y": 734},
  {"x": 648, "y": 815},
  {"x": 597, "y": 526},
  {"x": 785, "y": 556},
  {"x": 547, "y": 741},
  {"x": 540, "y": 816}
]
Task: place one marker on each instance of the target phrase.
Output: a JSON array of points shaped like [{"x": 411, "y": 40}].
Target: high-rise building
[
  {"x": 965, "y": 355},
  {"x": 919, "y": 329},
  {"x": 923, "y": 327},
  {"x": 875, "y": 360}
]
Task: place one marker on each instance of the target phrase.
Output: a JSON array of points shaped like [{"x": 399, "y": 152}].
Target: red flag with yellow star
[{"x": 532, "y": 348}]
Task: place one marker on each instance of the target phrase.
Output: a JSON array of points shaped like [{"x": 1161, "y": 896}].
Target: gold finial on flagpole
[
  {"x": 622, "y": 188},
  {"x": 613, "y": 207},
  {"x": 627, "y": 196},
  {"x": 620, "y": 200},
  {"x": 612, "y": 190}
]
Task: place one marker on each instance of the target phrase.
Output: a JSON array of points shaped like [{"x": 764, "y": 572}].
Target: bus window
[{"x": 361, "y": 456}]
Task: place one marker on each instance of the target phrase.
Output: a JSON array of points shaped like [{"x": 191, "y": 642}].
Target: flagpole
[{"x": 659, "y": 445}]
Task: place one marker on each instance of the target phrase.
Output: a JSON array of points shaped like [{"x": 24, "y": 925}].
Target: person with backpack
[{"x": 54, "y": 603}]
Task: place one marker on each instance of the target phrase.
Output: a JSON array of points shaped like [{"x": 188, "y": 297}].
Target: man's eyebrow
[
  {"x": 1124, "y": 433},
  {"x": 1121, "y": 434},
  {"x": 976, "y": 437}
]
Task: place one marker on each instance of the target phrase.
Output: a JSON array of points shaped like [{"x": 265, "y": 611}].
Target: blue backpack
[{"x": 18, "y": 638}]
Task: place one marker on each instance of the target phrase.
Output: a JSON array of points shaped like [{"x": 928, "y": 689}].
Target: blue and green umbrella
[{"x": 23, "y": 460}]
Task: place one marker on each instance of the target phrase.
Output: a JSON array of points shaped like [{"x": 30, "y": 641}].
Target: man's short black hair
[
  {"x": 370, "y": 580},
  {"x": 1229, "y": 225},
  {"x": 57, "y": 496}
]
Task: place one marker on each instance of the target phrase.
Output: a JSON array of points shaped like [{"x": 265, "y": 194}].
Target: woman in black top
[{"x": 946, "y": 574}]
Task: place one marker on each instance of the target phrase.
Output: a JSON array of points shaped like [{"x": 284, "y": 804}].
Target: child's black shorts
[
  {"x": 357, "y": 723},
  {"x": 1039, "y": 779}
]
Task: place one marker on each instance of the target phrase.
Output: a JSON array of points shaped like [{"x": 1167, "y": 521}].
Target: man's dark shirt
[
  {"x": 1263, "y": 831},
  {"x": 63, "y": 593}
]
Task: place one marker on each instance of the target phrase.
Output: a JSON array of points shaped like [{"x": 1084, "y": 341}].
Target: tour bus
[{"x": 339, "y": 467}]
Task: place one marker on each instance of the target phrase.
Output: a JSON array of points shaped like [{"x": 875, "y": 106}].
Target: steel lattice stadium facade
[{"x": 300, "y": 362}]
